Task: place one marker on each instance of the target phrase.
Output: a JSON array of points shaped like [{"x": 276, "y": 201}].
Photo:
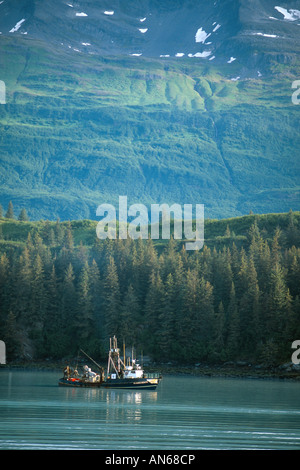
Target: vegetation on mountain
[
  {"x": 79, "y": 130},
  {"x": 61, "y": 289}
]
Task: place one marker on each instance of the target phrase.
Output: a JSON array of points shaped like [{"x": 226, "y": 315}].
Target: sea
[{"x": 184, "y": 413}]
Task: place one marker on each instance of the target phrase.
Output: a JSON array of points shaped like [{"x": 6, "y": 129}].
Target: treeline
[
  {"x": 234, "y": 303},
  {"x": 10, "y": 212}
]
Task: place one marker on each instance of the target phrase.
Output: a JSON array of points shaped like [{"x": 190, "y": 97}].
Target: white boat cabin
[{"x": 133, "y": 372}]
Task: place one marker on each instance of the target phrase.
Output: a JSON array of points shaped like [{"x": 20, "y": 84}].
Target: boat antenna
[{"x": 77, "y": 360}]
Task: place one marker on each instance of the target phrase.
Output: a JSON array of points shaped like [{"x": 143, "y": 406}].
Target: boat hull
[
  {"x": 78, "y": 383},
  {"x": 132, "y": 384},
  {"x": 136, "y": 384}
]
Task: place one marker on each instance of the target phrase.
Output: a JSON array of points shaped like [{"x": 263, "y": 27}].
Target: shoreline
[{"x": 228, "y": 370}]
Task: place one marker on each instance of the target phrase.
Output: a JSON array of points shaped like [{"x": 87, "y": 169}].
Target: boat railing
[{"x": 152, "y": 375}]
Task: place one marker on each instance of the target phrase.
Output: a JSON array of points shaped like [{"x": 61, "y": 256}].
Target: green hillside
[
  {"x": 80, "y": 129},
  {"x": 216, "y": 232}
]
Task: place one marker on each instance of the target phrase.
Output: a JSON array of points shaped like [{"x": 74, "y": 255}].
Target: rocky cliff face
[{"x": 214, "y": 30}]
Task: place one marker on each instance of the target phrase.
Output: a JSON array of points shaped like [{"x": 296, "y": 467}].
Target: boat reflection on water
[
  {"x": 121, "y": 374},
  {"x": 127, "y": 405}
]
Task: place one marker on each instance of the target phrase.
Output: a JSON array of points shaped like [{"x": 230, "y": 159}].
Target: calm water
[{"x": 183, "y": 413}]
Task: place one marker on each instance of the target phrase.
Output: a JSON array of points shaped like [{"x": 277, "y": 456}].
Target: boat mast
[
  {"x": 109, "y": 358},
  {"x": 114, "y": 356}
]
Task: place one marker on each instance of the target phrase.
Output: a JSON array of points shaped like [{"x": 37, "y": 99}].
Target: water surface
[{"x": 184, "y": 413}]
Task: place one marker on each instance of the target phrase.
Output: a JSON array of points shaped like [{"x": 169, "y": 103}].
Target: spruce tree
[
  {"x": 22, "y": 284},
  {"x": 150, "y": 261},
  {"x": 85, "y": 322},
  {"x": 153, "y": 310},
  {"x": 276, "y": 248},
  {"x": 38, "y": 300},
  {"x": 233, "y": 327},
  {"x": 187, "y": 322},
  {"x": 68, "y": 241},
  {"x": 53, "y": 325},
  {"x": 293, "y": 276},
  {"x": 249, "y": 310},
  {"x": 46, "y": 230},
  {"x": 96, "y": 291},
  {"x": 166, "y": 319},
  {"x": 206, "y": 317},
  {"x": 227, "y": 233},
  {"x": 10, "y": 211},
  {"x": 5, "y": 290},
  {"x": 195, "y": 322},
  {"x": 11, "y": 338},
  {"x": 217, "y": 342},
  {"x": 68, "y": 310},
  {"x": 292, "y": 232},
  {"x": 112, "y": 300},
  {"x": 222, "y": 277},
  {"x": 23, "y": 215},
  {"x": 278, "y": 305},
  {"x": 59, "y": 232},
  {"x": 129, "y": 318}
]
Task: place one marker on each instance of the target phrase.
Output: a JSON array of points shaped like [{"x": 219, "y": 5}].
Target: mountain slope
[{"x": 93, "y": 111}]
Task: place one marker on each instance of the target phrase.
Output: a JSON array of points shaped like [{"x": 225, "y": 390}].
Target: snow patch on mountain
[
  {"x": 201, "y": 35},
  {"x": 201, "y": 54},
  {"x": 17, "y": 26},
  {"x": 290, "y": 15},
  {"x": 216, "y": 28},
  {"x": 266, "y": 35}
]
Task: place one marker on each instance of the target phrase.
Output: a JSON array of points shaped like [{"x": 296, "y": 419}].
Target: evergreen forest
[{"x": 236, "y": 299}]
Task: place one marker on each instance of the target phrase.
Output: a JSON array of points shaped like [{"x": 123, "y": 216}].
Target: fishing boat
[
  {"x": 121, "y": 374},
  {"x": 127, "y": 374}
]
